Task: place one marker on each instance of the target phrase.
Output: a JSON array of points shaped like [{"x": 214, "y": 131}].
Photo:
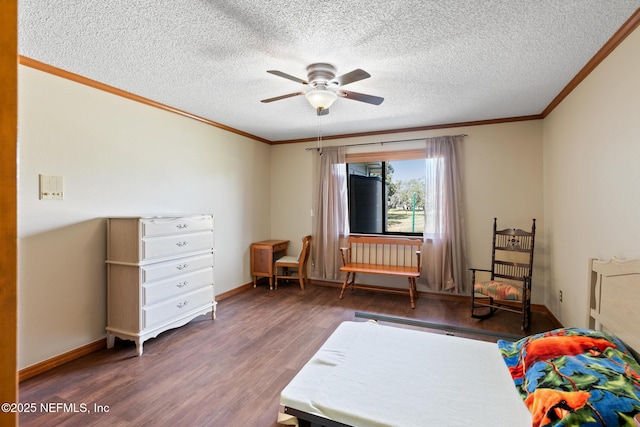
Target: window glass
[{"x": 387, "y": 196}]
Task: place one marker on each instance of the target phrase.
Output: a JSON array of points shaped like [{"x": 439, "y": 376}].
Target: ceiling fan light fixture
[
  {"x": 321, "y": 98},
  {"x": 320, "y": 78}
]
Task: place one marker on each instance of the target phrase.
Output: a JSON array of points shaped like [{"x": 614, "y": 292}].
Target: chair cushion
[
  {"x": 289, "y": 259},
  {"x": 498, "y": 290}
]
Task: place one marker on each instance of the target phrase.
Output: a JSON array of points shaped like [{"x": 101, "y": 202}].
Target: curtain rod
[{"x": 384, "y": 142}]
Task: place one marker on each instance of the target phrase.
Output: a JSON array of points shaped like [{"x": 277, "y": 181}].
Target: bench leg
[
  {"x": 413, "y": 294},
  {"x": 347, "y": 282}
]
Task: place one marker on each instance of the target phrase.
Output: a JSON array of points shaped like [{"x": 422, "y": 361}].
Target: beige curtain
[
  {"x": 330, "y": 220},
  {"x": 444, "y": 266}
]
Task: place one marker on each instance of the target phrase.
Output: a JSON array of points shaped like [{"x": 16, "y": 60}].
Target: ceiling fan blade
[
  {"x": 277, "y": 98},
  {"x": 287, "y": 76},
  {"x": 353, "y": 76},
  {"x": 369, "y": 99}
]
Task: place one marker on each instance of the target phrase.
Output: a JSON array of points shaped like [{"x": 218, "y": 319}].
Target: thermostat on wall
[{"x": 51, "y": 187}]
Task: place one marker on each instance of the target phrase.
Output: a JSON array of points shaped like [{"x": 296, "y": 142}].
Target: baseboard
[
  {"x": 328, "y": 283},
  {"x": 449, "y": 297},
  {"x": 540, "y": 307},
  {"x": 61, "y": 359},
  {"x": 234, "y": 291}
]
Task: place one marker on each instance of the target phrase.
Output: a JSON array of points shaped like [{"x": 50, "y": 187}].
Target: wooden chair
[
  {"x": 290, "y": 263},
  {"x": 509, "y": 283}
]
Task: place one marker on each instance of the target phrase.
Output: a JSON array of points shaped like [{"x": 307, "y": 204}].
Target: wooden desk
[{"x": 263, "y": 255}]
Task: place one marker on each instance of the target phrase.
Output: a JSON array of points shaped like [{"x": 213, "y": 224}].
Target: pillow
[{"x": 573, "y": 376}]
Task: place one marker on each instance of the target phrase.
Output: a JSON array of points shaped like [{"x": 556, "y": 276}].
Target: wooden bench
[{"x": 389, "y": 256}]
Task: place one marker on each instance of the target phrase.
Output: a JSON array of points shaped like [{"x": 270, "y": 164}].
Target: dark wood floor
[{"x": 228, "y": 372}]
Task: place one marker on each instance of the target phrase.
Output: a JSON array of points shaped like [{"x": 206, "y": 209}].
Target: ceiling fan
[{"x": 326, "y": 87}]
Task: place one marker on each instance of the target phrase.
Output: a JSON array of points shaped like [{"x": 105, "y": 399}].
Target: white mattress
[{"x": 368, "y": 374}]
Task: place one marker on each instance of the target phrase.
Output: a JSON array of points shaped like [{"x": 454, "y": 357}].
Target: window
[
  {"x": 388, "y": 196},
  {"x": 443, "y": 231}
]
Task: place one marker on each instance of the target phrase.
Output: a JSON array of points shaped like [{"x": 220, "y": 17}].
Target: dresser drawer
[
  {"x": 176, "y": 267},
  {"x": 174, "y": 308},
  {"x": 165, "y": 246},
  {"x": 162, "y": 226},
  {"x": 156, "y": 292}
]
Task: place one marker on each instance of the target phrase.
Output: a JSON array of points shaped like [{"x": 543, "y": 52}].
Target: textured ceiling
[{"x": 434, "y": 62}]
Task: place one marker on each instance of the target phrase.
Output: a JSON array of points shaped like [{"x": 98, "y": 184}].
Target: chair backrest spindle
[{"x": 385, "y": 250}]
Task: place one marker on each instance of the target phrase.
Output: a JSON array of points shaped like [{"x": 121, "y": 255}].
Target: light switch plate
[{"x": 51, "y": 187}]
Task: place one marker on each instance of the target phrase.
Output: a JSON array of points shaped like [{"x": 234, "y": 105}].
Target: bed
[{"x": 371, "y": 375}]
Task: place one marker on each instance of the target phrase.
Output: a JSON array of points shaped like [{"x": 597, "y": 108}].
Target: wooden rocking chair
[{"x": 509, "y": 284}]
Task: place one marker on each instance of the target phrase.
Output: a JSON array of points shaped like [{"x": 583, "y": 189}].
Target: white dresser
[{"x": 159, "y": 275}]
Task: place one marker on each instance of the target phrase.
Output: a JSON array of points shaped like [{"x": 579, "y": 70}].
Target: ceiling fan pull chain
[{"x": 319, "y": 136}]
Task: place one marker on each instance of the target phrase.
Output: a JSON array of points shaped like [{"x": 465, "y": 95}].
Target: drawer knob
[
  {"x": 183, "y": 243},
  {"x": 183, "y": 284},
  {"x": 182, "y": 266},
  {"x": 182, "y": 304},
  {"x": 181, "y": 226}
]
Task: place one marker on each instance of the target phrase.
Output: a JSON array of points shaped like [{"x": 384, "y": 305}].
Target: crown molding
[
  {"x": 627, "y": 28},
  {"x": 416, "y": 129},
  {"x": 41, "y": 66}
]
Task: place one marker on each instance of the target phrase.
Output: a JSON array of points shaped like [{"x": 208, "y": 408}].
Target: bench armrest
[{"x": 345, "y": 252}]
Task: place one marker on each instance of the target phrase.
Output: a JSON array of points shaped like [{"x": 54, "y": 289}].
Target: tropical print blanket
[{"x": 575, "y": 377}]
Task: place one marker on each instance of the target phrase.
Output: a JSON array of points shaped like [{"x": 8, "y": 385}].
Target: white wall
[
  {"x": 592, "y": 178},
  {"x": 502, "y": 167},
  {"x": 291, "y": 193},
  {"x": 118, "y": 157}
]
